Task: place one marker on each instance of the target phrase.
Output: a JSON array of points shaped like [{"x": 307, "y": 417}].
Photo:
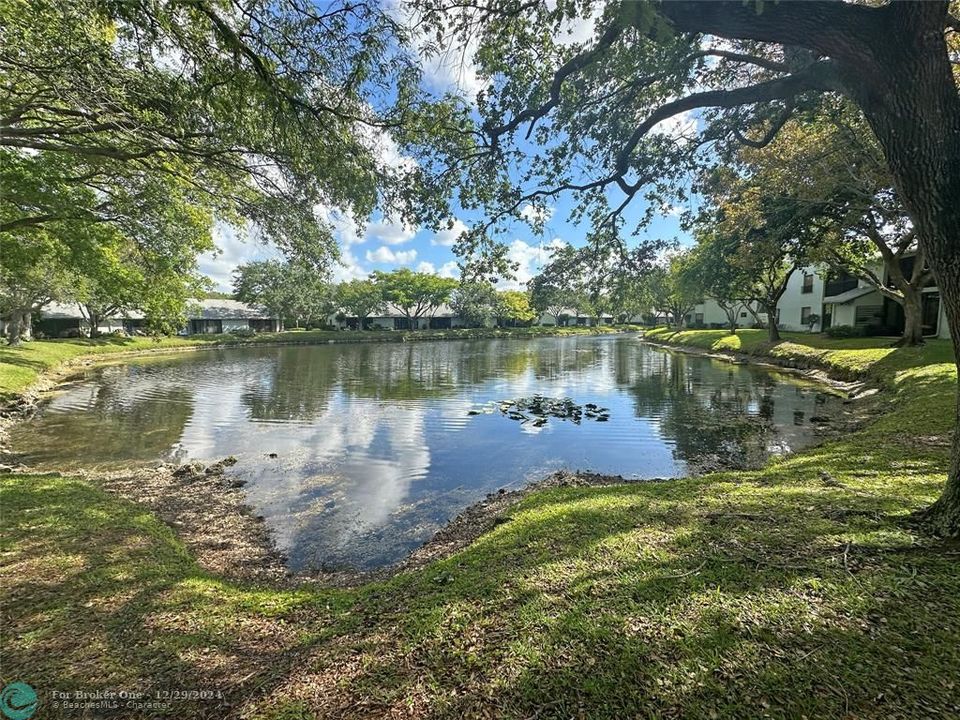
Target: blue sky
[{"x": 383, "y": 244}]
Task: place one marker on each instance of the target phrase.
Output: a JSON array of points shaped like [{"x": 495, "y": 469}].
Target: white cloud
[
  {"x": 534, "y": 214},
  {"x": 447, "y": 66},
  {"x": 390, "y": 232},
  {"x": 447, "y": 270},
  {"x": 384, "y": 148},
  {"x": 386, "y": 256},
  {"x": 233, "y": 251},
  {"x": 448, "y": 236},
  {"x": 529, "y": 259},
  {"x": 450, "y": 270},
  {"x": 579, "y": 30},
  {"x": 349, "y": 267},
  {"x": 671, "y": 210},
  {"x": 345, "y": 227},
  {"x": 678, "y": 127},
  {"x": 349, "y": 231}
]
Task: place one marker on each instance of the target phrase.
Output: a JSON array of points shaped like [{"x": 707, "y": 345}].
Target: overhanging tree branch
[{"x": 818, "y": 76}]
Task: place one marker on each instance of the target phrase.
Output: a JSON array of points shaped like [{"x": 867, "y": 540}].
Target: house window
[
  {"x": 804, "y": 316},
  {"x": 698, "y": 318},
  {"x": 206, "y": 327},
  {"x": 807, "y": 283},
  {"x": 743, "y": 314}
]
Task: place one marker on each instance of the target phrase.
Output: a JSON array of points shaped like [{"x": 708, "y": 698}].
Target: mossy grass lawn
[
  {"x": 22, "y": 366},
  {"x": 797, "y": 591}
]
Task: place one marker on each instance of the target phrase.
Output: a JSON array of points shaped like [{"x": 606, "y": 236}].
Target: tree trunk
[
  {"x": 731, "y": 319},
  {"x": 913, "y": 106},
  {"x": 912, "y": 318},
  {"x": 15, "y": 328},
  {"x": 773, "y": 332},
  {"x": 93, "y": 319}
]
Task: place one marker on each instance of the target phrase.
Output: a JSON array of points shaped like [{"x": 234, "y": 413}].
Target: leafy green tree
[
  {"x": 513, "y": 308},
  {"x": 475, "y": 302},
  {"x": 593, "y": 118},
  {"x": 360, "y": 299},
  {"x": 561, "y": 285},
  {"x": 414, "y": 294},
  {"x": 629, "y": 297},
  {"x": 157, "y": 276},
  {"x": 727, "y": 284},
  {"x": 261, "y": 114},
  {"x": 32, "y": 275},
  {"x": 291, "y": 290},
  {"x": 766, "y": 238},
  {"x": 673, "y": 287},
  {"x": 830, "y": 168},
  {"x": 549, "y": 295}
]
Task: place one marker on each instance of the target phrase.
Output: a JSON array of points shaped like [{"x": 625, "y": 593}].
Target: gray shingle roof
[{"x": 215, "y": 309}]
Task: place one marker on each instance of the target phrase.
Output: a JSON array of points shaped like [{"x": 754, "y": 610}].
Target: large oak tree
[{"x": 592, "y": 117}]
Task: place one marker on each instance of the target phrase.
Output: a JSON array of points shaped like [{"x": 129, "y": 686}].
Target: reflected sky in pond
[{"x": 376, "y": 446}]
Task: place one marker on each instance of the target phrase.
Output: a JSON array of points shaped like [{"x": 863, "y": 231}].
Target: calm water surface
[{"x": 376, "y": 444}]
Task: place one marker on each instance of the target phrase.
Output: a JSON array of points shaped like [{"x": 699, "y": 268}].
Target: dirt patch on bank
[{"x": 207, "y": 509}]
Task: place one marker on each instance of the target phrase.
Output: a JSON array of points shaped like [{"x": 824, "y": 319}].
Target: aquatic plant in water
[{"x": 538, "y": 409}]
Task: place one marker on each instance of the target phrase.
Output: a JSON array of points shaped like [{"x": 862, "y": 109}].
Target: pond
[{"x": 356, "y": 454}]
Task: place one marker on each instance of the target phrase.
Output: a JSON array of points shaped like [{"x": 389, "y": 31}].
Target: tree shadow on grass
[
  {"x": 789, "y": 591},
  {"x": 607, "y": 603},
  {"x": 99, "y": 595}
]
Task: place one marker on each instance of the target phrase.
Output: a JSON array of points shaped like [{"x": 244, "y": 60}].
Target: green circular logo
[{"x": 18, "y": 701}]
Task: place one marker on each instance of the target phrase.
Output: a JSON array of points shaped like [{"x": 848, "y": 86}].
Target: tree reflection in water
[{"x": 356, "y": 454}]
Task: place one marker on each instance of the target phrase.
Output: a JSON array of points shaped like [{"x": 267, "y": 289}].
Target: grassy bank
[
  {"x": 796, "y": 591},
  {"x": 21, "y": 367},
  {"x": 868, "y": 357}
]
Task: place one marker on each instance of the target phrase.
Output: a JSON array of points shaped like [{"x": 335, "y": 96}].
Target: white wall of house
[
  {"x": 857, "y": 312},
  {"x": 710, "y": 313},
  {"x": 804, "y": 295},
  {"x": 943, "y": 330},
  {"x": 864, "y": 309}
]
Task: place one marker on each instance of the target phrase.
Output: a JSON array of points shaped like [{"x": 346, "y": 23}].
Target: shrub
[
  {"x": 243, "y": 332},
  {"x": 843, "y": 331}
]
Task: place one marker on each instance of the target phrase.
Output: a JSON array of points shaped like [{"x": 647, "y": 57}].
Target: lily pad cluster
[{"x": 538, "y": 409}]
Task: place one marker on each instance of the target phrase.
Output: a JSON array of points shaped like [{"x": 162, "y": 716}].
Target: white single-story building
[
  {"x": 213, "y": 316},
  {"x": 203, "y": 317},
  {"x": 570, "y": 317},
  {"x": 67, "y": 320},
  {"x": 390, "y": 317}
]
